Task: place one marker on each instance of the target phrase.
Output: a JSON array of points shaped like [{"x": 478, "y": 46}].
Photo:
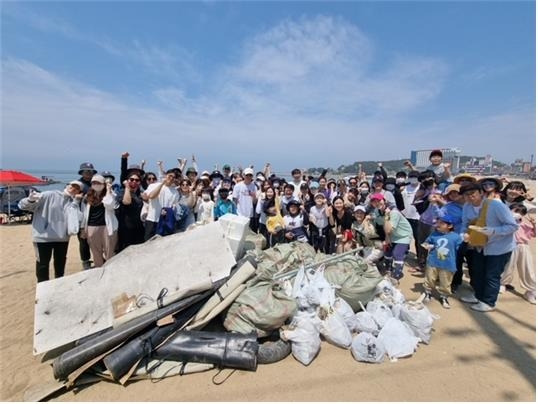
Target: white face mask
[
  {"x": 389, "y": 187},
  {"x": 413, "y": 180},
  {"x": 364, "y": 191},
  {"x": 400, "y": 181},
  {"x": 206, "y": 197},
  {"x": 98, "y": 187}
]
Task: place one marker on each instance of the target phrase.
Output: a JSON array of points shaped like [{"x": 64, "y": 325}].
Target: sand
[{"x": 472, "y": 356}]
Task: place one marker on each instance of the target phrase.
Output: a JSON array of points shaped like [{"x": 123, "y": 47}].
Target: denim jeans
[{"x": 487, "y": 271}]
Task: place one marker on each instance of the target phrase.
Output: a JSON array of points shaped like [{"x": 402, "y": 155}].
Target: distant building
[{"x": 421, "y": 158}]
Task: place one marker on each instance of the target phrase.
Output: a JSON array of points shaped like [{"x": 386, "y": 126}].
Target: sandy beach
[{"x": 472, "y": 356}]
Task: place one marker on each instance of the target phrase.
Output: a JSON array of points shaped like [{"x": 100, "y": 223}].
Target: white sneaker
[
  {"x": 530, "y": 297},
  {"x": 469, "y": 299},
  {"x": 481, "y": 306},
  {"x": 502, "y": 289}
]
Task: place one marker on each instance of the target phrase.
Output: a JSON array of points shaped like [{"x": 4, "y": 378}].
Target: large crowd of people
[{"x": 451, "y": 220}]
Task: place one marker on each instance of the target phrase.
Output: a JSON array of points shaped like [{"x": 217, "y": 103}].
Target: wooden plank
[{"x": 69, "y": 308}]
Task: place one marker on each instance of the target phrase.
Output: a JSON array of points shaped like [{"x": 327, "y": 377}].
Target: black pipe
[
  {"x": 73, "y": 359},
  {"x": 121, "y": 360},
  {"x": 224, "y": 349}
]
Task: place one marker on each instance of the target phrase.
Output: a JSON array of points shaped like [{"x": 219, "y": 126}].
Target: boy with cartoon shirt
[{"x": 442, "y": 245}]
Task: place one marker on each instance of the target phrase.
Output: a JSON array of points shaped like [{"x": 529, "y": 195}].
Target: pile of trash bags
[{"x": 274, "y": 302}]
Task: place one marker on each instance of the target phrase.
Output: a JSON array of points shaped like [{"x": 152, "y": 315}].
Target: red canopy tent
[{"x": 12, "y": 178}]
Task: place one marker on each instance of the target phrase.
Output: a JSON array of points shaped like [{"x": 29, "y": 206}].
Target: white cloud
[{"x": 304, "y": 93}]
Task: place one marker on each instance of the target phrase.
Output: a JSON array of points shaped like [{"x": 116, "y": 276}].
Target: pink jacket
[{"x": 525, "y": 233}]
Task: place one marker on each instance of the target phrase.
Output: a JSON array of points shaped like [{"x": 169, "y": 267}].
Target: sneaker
[
  {"x": 444, "y": 302},
  {"x": 483, "y": 307},
  {"x": 469, "y": 299},
  {"x": 502, "y": 289},
  {"x": 530, "y": 297}
]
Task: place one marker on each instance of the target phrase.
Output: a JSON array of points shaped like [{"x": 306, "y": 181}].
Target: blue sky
[{"x": 292, "y": 83}]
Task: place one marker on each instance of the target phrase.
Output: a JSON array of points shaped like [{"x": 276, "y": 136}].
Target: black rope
[{"x": 160, "y": 297}]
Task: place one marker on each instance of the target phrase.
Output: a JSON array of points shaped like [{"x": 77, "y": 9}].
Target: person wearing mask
[
  {"x": 391, "y": 186},
  {"x": 50, "y": 226},
  {"x": 297, "y": 181},
  {"x": 489, "y": 228},
  {"x": 266, "y": 198},
  {"x": 100, "y": 225},
  {"x": 364, "y": 192},
  {"x": 160, "y": 195},
  {"x": 410, "y": 212},
  {"x": 244, "y": 195},
  {"x": 401, "y": 180},
  {"x": 86, "y": 171},
  {"x": 378, "y": 188},
  {"x": 205, "y": 207},
  {"x": 426, "y": 203},
  {"x": 130, "y": 204}
]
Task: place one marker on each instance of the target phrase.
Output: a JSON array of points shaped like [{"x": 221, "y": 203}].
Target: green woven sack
[{"x": 356, "y": 279}]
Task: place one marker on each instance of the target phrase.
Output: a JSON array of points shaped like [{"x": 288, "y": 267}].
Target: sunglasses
[
  {"x": 134, "y": 179},
  {"x": 489, "y": 184}
]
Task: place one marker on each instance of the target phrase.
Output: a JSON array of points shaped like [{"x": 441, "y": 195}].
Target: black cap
[
  {"x": 293, "y": 202},
  {"x": 216, "y": 174},
  {"x": 135, "y": 169},
  {"x": 108, "y": 174},
  {"x": 470, "y": 187}
]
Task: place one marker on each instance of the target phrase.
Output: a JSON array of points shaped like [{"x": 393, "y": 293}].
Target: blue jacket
[
  {"x": 443, "y": 255},
  {"x": 500, "y": 220}
]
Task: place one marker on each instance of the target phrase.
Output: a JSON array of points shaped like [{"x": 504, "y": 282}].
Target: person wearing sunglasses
[
  {"x": 187, "y": 200},
  {"x": 131, "y": 227},
  {"x": 492, "y": 187}
]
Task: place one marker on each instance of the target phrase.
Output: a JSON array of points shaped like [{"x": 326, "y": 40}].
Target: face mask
[
  {"x": 389, "y": 187},
  {"x": 400, "y": 181},
  {"x": 98, "y": 187},
  {"x": 206, "y": 197},
  {"x": 413, "y": 180},
  {"x": 364, "y": 191}
]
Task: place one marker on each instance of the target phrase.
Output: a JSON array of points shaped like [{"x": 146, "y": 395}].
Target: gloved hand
[
  {"x": 485, "y": 230},
  {"x": 34, "y": 196}
]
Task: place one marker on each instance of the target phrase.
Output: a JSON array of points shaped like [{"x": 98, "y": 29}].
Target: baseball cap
[
  {"x": 77, "y": 183},
  {"x": 377, "y": 197},
  {"x": 359, "y": 208},
  {"x": 98, "y": 178},
  {"x": 226, "y": 167},
  {"x": 447, "y": 219},
  {"x": 248, "y": 171}
]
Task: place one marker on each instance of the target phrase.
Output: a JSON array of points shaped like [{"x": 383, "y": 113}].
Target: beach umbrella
[{"x": 10, "y": 178}]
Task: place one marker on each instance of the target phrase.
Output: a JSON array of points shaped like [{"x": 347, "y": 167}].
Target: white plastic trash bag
[
  {"x": 311, "y": 288},
  {"x": 364, "y": 322},
  {"x": 344, "y": 309},
  {"x": 334, "y": 328},
  {"x": 380, "y": 312},
  {"x": 367, "y": 348},
  {"x": 303, "y": 332},
  {"x": 419, "y": 319},
  {"x": 398, "y": 339}
]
